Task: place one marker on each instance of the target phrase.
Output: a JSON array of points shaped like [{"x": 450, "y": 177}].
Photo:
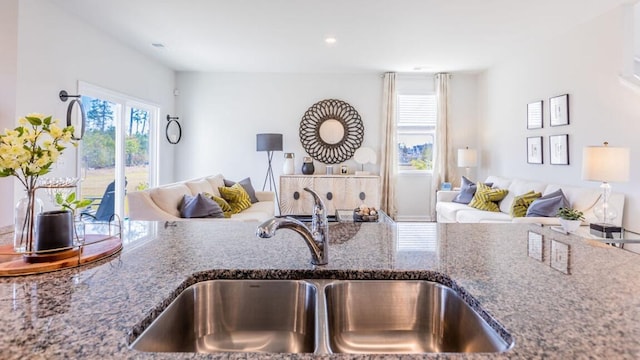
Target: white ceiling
[{"x": 373, "y": 35}]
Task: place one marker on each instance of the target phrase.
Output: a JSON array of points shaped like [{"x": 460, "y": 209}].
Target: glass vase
[
  {"x": 24, "y": 219},
  {"x": 79, "y": 228}
]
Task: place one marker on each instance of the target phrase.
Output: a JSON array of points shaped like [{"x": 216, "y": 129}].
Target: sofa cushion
[
  {"x": 486, "y": 198},
  {"x": 467, "y": 190},
  {"x": 169, "y": 197},
  {"x": 519, "y": 187},
  {"x": 199, "y": 206},
  {"x": 471, "y": 215},
  {"x": 522, "y": 202},
  {"x": 447, "y": 210},
  {"x": 548, "y": 205},
  {"x": 248, "y": 187},
  {"x": 216, "y": 182},
  {"x": 236, "y": 196},
  {"x": 498, "y": 182},
  {"x": 581, "y": 199},
  {"x": 224, "y": 205},
  {"x": 199, "y": 186}
]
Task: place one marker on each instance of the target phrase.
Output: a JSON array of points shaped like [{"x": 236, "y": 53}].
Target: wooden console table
[{"x": 336, "y": 191}]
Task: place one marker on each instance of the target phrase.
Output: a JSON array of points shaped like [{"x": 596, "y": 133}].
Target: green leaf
[
  {"x": 84, "y": 203},
  {"x": 71, "y": 198},
  {"x": 34, "y": 121},
  {"x": 59, "y": 199},
  {"x": 47, "y": 120}
]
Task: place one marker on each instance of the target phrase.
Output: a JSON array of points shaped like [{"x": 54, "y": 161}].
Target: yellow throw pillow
[
  {"x": 521, "y": 203},
  {"x": 236, "y": 196},
  {"x": 224, "y": 205},
  {"x": 486, "y": 198}
]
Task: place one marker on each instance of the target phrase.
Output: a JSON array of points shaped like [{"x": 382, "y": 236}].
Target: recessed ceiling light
[
  {"x": 157, "y": 45},
  {"x": 330, "y": 40}
]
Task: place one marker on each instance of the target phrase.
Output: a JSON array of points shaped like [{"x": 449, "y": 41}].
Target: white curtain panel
[
  {"x": 388, "y": 165},
  {"x": 442, "y": 154}
]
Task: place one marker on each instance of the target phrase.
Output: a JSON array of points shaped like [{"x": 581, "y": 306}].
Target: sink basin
[
  {"x": 320, "y": 316},
  {"x": 236, "y": 315},
  {"x": 404, "y": 317}
]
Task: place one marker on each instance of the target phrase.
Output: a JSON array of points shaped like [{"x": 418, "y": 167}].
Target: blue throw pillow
[
  {"x": 467, "y": 190},
  {"x": 548, "y": 205},
  {"x": 199, "y": 206}
]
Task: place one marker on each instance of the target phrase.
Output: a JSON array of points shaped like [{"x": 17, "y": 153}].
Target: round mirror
[{"x": 331, "y": 131}]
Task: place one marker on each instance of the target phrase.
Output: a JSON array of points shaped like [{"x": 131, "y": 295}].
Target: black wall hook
[
  {"x": 173, "y": 120},
  {"x": 64, "y": 96}
]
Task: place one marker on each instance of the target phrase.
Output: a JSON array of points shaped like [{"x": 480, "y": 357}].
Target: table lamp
[
  {"x": 467, "y": 158},
  {"x": 362, "y": 156},
  {"x": 606, "y": 164}
]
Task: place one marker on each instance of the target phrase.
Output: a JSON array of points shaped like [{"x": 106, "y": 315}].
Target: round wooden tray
[{"x": 96, "y": 247}]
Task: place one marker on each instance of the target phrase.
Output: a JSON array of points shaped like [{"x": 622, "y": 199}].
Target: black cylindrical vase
[
  {"x": 307, "y": 166},
  {"x": 54, "y": 230}
]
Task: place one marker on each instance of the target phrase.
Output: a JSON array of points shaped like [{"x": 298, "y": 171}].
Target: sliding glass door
[{"x": 117, "y": 152}]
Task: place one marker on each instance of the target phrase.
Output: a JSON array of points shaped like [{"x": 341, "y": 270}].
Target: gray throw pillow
[
  {"x": 548, "y": 205},
  {"x": 467, "y": 190},
  {"x": 246, "y": 185},
  {"x": 199, "y": 206}
]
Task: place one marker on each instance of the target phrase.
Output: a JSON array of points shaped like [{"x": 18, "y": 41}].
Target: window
[
  {"x": 118, "y": 151},
  {"x": 416, "y": 132}
]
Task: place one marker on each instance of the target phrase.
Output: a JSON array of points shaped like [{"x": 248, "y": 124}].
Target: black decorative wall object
[{"x": 343, "y": 143}]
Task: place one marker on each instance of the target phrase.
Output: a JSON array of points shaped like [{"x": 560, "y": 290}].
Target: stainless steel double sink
[{"x": 320, "y": 316}]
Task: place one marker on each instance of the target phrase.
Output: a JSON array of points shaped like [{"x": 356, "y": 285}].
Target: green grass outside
[{"x": 97, "y": 180}]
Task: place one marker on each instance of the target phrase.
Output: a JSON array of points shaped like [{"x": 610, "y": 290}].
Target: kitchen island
[{"x": 558, "y": 296}]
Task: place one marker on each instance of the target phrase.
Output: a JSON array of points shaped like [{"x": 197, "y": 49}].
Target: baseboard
[{"x": 415, "y": 218}]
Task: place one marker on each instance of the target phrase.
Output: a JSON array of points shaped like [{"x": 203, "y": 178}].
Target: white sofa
[
  {"x": 161, "y": 203},
  {"x": 580, "y": 198}
]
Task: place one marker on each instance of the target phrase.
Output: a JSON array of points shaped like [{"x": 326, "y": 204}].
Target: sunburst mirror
[{"x": 331, "y": 131}]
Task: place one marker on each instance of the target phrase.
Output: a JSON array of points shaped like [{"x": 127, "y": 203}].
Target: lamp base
[{"x": 606, "y": 231}]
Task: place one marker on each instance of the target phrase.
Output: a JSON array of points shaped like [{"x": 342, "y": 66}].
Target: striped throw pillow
[
  {"x": 236, "y": 196},
  {"x": 521, "y": 203},
  {"x": 486, "y": 198},
  {"x": 224, "y": 205}
]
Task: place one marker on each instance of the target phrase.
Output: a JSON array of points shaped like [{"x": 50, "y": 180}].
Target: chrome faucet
[{"x": 316, "y": 238}]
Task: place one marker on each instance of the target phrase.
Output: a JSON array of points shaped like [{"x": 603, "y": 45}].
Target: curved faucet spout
[
  {"x": 269, "y": 227},
  {"x": 316, "y": 238}
]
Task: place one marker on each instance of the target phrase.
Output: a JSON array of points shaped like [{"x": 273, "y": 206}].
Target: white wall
[
  {"x": 8, "y": 79},
  {"x": 221, "y": 114},
  {"x": 585, "y": 63},
  {"x": 55, "y": 50}
]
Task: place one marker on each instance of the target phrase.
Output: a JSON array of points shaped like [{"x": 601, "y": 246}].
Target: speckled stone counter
[{"x": 559, "y": 296}]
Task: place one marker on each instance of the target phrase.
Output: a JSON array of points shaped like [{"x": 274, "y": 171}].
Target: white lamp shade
[
  {"x": 605, "y": 163},
  {"x": 467, "y": 158},
  {"x": 365, "y": 155}
]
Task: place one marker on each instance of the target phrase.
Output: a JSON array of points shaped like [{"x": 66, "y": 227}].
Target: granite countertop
[{"x": 588, "y": 309}]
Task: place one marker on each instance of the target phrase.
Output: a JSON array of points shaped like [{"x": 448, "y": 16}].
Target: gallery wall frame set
[{"x": 558, "y": 144}]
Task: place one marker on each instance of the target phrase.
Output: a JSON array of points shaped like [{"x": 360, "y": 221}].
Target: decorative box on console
[{"x": 606, "y": 231}]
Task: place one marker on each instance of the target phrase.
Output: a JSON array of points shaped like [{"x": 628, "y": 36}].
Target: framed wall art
[
  {"x": 559, "y": 149},
  {"x": 534, "y": 115},
  {"x": 534, "y": 150},
  {"x": 559, "y": 110}
]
